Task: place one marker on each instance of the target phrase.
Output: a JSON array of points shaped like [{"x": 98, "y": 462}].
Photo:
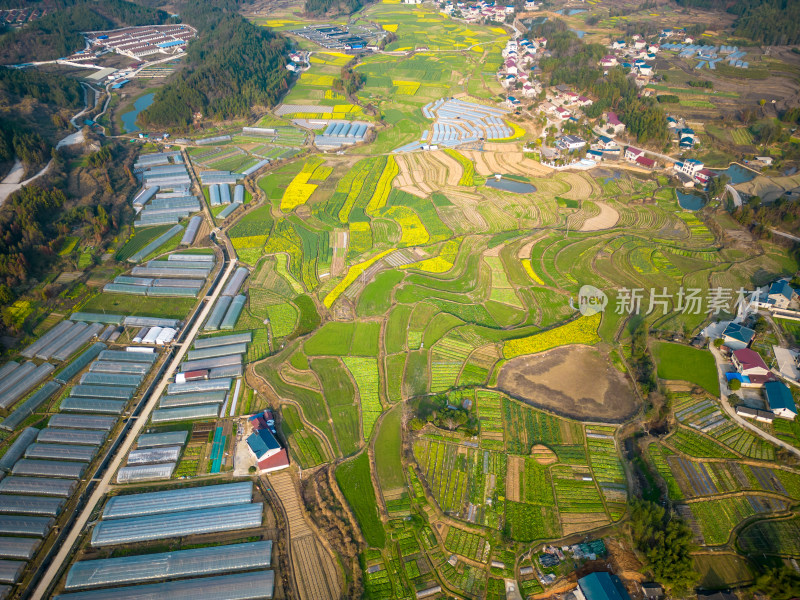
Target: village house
[
  {"x": 604, "y": 143},
  {"x": 613, "y": 122},
  {"x": 737, "y": 336},
  {"x": 570, "y": 143},
  {"x": 751, "y": 367},
  {"x": 779, "y": 400},
  {"x": 689, "y": 167},
  {"x": 781, "y": 294},
  {"x": 632, "y": 153}
]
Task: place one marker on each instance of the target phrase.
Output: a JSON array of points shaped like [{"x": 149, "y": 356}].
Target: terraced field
[{"x": 421, "y": 331}]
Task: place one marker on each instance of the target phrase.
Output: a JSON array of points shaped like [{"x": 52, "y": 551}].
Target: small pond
[
  {"x": 736, "y": 173},
  {"x": 509, "y": 185},
  {"x": 690, "y": 201},
  {"x": 578, "y": 32},
  {"x": 129, "y": 118}
]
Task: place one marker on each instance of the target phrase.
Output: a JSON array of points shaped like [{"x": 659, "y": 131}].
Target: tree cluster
[
  {"x": 439, "y": 412},
  {"x": 319, "y": 8},
  {"x": 641, "y": 360},
  {"x": 772, "y": 22},
  {"x": 351, "y": 80},
  {"x": 233, "y": 66},
  {"x": 665, "y": 540},
  {"x": 20, "y": 142},
  {"x": 48, "y": 88},
  {"x": 59, "y": 33}
]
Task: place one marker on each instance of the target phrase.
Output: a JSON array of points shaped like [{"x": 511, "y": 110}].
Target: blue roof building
[
  {"x": 263, "y": 443},
  {"x": 601, "y": 586},
  {"x": 780, "y": 400},
  {"x": 269, "y": 454},
  {"x": 737, "y": 336},
  {"x": 781, "y": 293}
]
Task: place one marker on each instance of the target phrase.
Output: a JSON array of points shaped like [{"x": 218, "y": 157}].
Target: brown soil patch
[
  {"x": 516, "y": 465},
  {"x": 454, "y": 168},
  {"x": 543, "y": 454},
  {"x": 607, "y": 218},
  {"x": 576, "y": 381}
]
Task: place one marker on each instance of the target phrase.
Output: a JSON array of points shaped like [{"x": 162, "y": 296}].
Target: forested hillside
[
  {"x": 59, "y": 33},
  {"x": 320, "y": 8},
  {"x": 231, "y": 67},
  {"x": 774, "y": 22}
]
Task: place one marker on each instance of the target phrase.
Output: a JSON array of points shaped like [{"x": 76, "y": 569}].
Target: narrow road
[
  {"x": 80, "y": 522},
  {"x": 784, "y": 234},
  {"x": 723, "y": 387}
]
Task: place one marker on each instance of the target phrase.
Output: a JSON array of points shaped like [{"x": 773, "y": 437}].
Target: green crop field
[
  {"x": 676, "y": 361},
  {"x": 354, "y": 479}
]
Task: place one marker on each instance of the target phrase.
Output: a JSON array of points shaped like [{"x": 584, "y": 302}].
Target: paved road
[
  {"x": 737, "y": 199},
  {"x": 80, "y": 522},
  {"x": 784, "y": 234},
  {"x": 723, "y": 386}
]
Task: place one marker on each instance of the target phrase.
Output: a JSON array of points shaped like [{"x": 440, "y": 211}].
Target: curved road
[{"x": 723, "y": 386}]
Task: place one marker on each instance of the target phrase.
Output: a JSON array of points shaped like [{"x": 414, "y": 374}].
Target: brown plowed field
[
  {"x": 516, "y": 465},
  {"x": 576, "y": 381},
  {"x": 607, "y": 218}
]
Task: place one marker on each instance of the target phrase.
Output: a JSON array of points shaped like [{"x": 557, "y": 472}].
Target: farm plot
[
  {"x": 468, "y": 544},
  {"x": 773, "y": 536},
  {"x": 607, "y": 470},
  {"x": 365, "y": 373},
  {"x": 302, "y": 442},
  {"x": 578, "y": 500},
  {"x": 447, "y": 358},
  {"x": 489, "y": 408},
  {"x": 526, "y": 427},
  {"x": 445, "y": 468},
  {"x": 502, "y": 290},
  {"x": 477, "y": 368},
  {"x": 576, "y": 381},
  {"x": 718, "y": 517},
  {"x": 355, "y": 482}
]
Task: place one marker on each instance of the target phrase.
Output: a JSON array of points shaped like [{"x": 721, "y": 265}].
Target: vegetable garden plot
[
  {"x": 365, "y": 373},
  {"x": 467, "y": 544}
]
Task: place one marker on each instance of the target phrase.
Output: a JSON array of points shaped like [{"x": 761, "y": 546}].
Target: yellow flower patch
[
  {"x": 297, "y": 192},
  {"x": 526, "y": 264},
  {"x": 582, "y": 330},
  {"x": 378, "y": 200},
  {"x": 352, "y": 274},
  {"x": 413, "y": 231},
  {"x": 251, "y": 241}
]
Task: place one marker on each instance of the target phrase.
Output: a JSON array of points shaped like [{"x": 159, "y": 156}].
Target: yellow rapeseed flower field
[{"x": 582, "y": 330}]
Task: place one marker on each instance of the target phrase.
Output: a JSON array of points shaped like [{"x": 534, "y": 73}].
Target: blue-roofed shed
[{"x": 602, "y": 586}]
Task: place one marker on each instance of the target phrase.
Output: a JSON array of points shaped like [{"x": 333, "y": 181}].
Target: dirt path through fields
[{"x": 313, "y": 567}]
